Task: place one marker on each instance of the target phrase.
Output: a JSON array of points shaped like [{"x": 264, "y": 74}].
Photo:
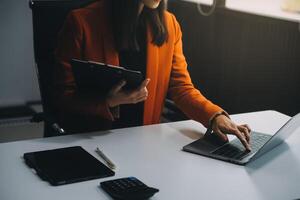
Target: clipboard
[{"x": 93, "y": 76}]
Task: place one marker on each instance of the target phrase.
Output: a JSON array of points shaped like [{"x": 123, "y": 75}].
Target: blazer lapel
[
  {"x": 111, "y": 57},
  {"x": 152, "y": 73}
]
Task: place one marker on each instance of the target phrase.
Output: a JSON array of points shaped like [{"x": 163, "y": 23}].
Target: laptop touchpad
[{"x": 207, "y": 143}]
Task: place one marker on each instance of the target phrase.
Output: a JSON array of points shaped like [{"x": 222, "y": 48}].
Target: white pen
[{"x": 105, "y": 158}]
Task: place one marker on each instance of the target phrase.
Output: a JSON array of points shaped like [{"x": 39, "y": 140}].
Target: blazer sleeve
[
  {"x": 70, "y": 45},
  {"x": 181, "y": 89}
]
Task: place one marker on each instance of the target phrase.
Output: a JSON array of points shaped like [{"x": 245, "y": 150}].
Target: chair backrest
[{"x": 48, "y": 18}]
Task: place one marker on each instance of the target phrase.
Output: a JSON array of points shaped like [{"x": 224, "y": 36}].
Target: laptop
[{"x": 211, "y": 145}]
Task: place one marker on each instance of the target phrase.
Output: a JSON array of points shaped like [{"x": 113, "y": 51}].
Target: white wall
[{"x": 18, "y": 80}]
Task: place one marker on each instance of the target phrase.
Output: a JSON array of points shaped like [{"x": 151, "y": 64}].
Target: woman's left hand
[{"x": 223, "y": 125}]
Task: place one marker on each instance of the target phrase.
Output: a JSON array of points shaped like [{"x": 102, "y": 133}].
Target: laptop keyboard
[{"x": 236, "y": 150}]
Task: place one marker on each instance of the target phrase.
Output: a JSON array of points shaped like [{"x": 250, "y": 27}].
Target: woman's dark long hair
[{"x": 125, "y": 21}]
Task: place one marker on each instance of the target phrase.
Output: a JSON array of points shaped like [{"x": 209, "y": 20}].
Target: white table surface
[
  {"x": 153, "y": 154},
  {"x": 266, "y": 8}
]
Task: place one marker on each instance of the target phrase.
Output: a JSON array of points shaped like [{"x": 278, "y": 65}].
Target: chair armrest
[{"x": 39, "y": 117}]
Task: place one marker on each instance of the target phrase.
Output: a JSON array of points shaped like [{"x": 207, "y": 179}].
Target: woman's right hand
[{"x": 118, "y": 96}]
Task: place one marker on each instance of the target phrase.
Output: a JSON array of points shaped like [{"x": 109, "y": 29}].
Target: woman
[{"x": 140, "y": 35}]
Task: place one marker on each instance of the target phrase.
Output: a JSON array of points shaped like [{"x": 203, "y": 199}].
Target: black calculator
[{"x": 128, "y": 188}]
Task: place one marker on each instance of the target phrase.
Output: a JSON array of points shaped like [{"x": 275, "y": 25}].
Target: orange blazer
[{"x": 87, "y": 34}]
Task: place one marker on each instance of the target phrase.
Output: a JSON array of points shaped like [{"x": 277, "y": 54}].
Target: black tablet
[
  {"x": 94, "y": 76},
  {"x": 66, "y": 165}
]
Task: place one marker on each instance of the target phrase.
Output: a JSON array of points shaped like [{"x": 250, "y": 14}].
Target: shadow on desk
[
  {"x": 267, "y": 158},
  {"x": 191, "y": 133},
  {"x": 276, "y": 172},
  {"x": 65, "y": 139}
]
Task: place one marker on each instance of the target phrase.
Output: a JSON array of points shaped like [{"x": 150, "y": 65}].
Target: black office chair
[
  {"x": 171, "y": 112},
  {"x": 48, "y": 18}
]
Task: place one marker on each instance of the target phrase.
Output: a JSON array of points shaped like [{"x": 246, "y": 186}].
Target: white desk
[{"x": 153, "y": 154}]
